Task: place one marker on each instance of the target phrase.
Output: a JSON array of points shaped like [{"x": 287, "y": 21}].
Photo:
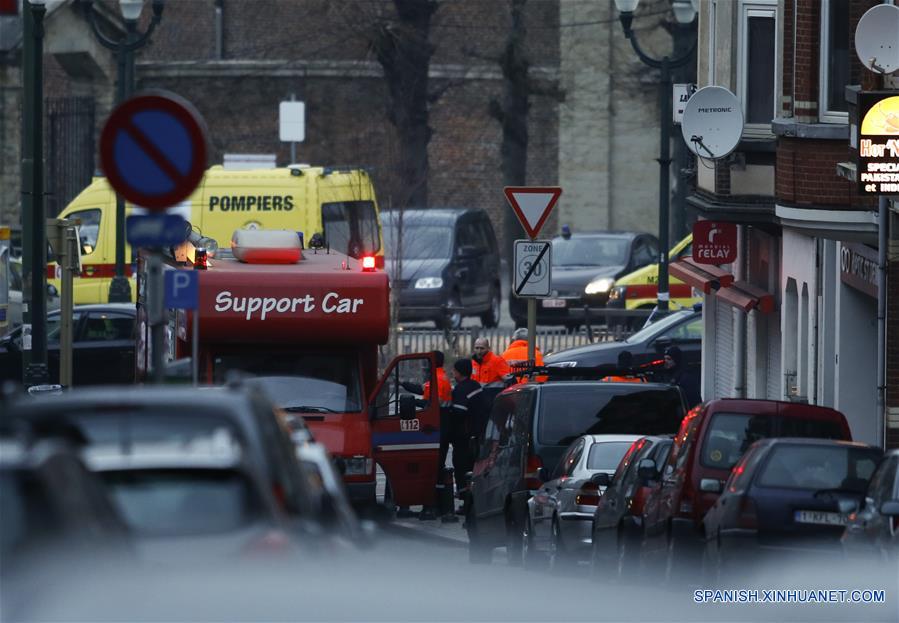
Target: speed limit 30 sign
[{"x": 532, "y": 267}]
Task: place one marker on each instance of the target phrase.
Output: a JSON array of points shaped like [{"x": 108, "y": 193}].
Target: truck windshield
[{"x": 309, "y": 382}]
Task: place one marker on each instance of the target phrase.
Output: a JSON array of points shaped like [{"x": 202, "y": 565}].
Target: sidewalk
[{"x": 450, "y": 534}]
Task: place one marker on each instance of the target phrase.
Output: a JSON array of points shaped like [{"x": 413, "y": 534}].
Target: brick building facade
[{"x": 237, "y": 60}]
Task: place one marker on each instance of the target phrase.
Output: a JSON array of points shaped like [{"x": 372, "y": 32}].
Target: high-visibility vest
[
  {"x": 444, "y": 389},
  {"x": 490, "y": 371}
]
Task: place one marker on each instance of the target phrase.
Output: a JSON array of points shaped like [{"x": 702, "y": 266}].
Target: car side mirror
[
  {"x": 407, "y": 407},
  {"x": 890, "y": 508},
  {"x": 601, "y": 479},
  {"x": 710, "y": 485},
  {"x": 467, "y": 251},
  {"x": 647, "y": 470},
  {"x": 542, "y": 474},
  {"x": 52, "y": 292}
]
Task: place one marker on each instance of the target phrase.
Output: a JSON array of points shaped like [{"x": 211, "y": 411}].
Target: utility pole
[{"x": 34, "y": 260}]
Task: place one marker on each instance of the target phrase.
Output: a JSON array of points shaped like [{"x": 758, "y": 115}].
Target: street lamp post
[
  {"x": 120, "y": 287},
  {"x": 684, "y": 13},
  {"x": 34, "y": 237}
]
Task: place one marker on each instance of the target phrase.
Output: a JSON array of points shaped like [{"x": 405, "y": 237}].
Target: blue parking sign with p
[{"x": 182, "y": 289}]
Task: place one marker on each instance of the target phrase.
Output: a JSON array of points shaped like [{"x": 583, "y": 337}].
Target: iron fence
[
  {"x": 69, "y": 149},
  {"x": 459, "y": 342}
]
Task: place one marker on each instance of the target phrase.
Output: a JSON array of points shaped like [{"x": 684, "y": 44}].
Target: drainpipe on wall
[
  {"x": 219, "y": 29},
  {"x": 740, "y": 324},
  {"x": 882, "y": 241}
]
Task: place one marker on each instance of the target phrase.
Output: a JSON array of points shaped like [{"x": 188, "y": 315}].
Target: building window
[
  {"x": 758, "y": 61},
  {"x": 834, "y": 62}
]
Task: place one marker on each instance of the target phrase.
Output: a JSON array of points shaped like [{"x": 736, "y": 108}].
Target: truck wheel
[
  {"x": 490, "y": 318},
  {"x": 452, "y": 318}
]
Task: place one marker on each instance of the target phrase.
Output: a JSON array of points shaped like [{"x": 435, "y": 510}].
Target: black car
[
  {"x": 784, "y": 498},
  {"x": 185, "y": 415},
  {"x": 873, "y": 529},
  {"x": 443, "y": 265},
  {"x": 584, "y": 269},
  {"x": 682, "y": 328},
  {"x": 102, "y": 346},
  {"x": 528, "y": 430}
]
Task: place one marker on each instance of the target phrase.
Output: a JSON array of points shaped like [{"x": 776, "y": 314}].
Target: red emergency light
[{"x": 368, "y": 264}]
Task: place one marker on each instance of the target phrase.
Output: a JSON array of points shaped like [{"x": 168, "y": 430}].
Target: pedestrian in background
[{"x": 680, "y": 375}]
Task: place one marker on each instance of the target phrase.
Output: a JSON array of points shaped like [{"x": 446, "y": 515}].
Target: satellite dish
[
  {"x": 713, "y": 122},
  {"x": 877, "y": 38}
]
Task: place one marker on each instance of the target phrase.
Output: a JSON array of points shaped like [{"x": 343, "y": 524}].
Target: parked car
[
  {"x": 560, "y": 513},
  {"x": 711, "y": 440},
  {"x": 181, "y": 415},
  {"x": 785, "y": 497},
  {"x": 618, "y": 521},
  {"x": 56, "y": 520},
  {"x": 14, "y": 311},
  {"x": 102, "y": 346},
  {"x": 529, "y": 428},
  {"x": 202, "y": 497},
  {"x": 681, "y": 328},
  {"x": 873, "y": 528},
  {"x": 443, "y": 265},
  {"x": 585, "y": 266}
]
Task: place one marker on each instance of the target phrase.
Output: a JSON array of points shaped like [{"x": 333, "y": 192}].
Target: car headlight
[
  {"x": 356, "y": 465},
  {"x": 599, "y": 286},
  {"x": 562, "y": 364},
  {"x": 428, "y": 283},
  {"x": 617, "y": 293}
]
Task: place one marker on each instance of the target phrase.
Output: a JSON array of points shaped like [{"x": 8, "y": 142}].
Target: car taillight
[
  {"x": 357, "y": 465},
  {"x": 747, "y": 517},
  {"x": 201, "y": 261},
  {"x": 588, "y": 495},
  {"x": 532, "y": 472}
]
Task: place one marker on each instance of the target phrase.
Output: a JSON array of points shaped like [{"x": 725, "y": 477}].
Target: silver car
[{"x": 560, "y": 513}]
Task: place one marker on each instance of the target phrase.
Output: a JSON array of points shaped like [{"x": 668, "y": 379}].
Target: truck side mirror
[{"x": 407, "y": 407}]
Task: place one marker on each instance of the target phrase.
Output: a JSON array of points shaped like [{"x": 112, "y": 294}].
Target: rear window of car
[
  {"x": 567, "y": 411},
  {"x": 137, "y": 426},
  {"x": 802, "y": 427},
  {"x": 607, "y": 455},
  {"x": 819, "y": 468},
  {"x": 729, "y": 435},
  {"x": 183, "y": 502}
]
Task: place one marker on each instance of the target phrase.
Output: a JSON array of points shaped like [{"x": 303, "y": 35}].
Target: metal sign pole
[
  {"x": 68, "y": 263},
  {"x": 532, "y": 327},
  {"x": 195, "y": 347},
  {"x": 156, "y": 313}
]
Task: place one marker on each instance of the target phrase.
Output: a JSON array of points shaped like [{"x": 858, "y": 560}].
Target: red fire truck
[{"x": 308, "y": 324}]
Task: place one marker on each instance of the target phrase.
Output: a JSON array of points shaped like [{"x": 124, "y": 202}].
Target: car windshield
[
  {"x": 658, "y": 327},
  {"x": 322, "y": 380},
  {"x": 592, "y": 251},
  {"x": 607, "y": 409},
  {"x": 181, "y": 502},
  {"x": 154, "y": 425},
  {"x": 606, "y": 455},
  {"x": 419, "y": 242},
  {"x": 817, "y": 468}
]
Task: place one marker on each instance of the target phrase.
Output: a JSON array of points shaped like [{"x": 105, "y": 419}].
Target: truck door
[{"x": 407, "y": 449}]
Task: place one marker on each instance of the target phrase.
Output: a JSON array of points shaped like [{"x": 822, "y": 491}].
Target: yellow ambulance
[
  {"x": 337, "y": 203},
  {"x": 640, "y": 289}
]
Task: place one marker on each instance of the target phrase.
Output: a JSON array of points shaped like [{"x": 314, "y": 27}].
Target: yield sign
[{"x": 532, "y": 205}]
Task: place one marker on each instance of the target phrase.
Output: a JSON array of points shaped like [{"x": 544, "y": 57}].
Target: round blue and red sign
[{"x": 153, "y": 150}]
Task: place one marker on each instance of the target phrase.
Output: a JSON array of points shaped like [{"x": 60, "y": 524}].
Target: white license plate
[
  {"x": 554, "y": 302},
  {"x": 820, "y": 518}
]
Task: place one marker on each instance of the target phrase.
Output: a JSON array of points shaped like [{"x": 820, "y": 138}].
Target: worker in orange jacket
[
  {"x": 488, "y": 368},
  {"x": 517, "y": 353}
]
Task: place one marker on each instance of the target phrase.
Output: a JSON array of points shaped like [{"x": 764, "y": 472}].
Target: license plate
[
  {"x": 554, "y": 302},
  {"x": 820, "y": 518}
]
